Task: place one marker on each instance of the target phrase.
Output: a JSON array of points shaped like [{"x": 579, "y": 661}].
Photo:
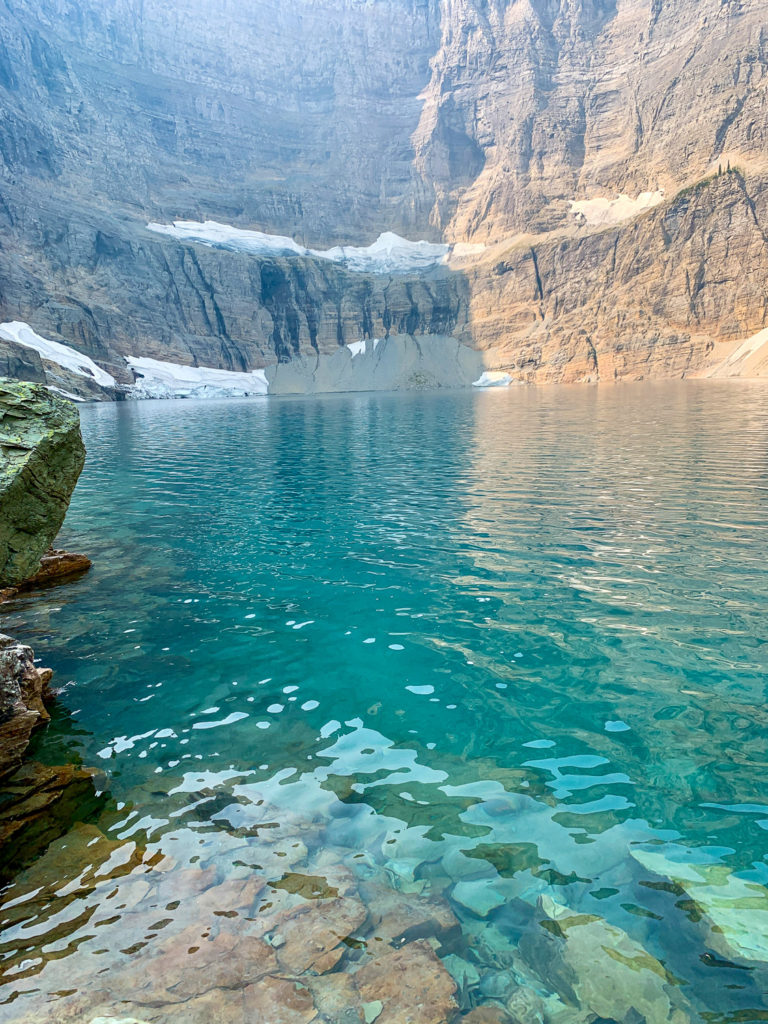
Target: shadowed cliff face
[
  {"x": 333, "y": 120},
  {"x": 293, "y": 116},
  {"x": 124, "y": 290}
]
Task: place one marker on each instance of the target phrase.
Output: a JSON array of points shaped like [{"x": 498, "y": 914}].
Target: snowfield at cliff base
[{"x": 158, "y": 379}]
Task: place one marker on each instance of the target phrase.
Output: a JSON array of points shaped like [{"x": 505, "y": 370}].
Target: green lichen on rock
[{"x": 41, "y": 457}]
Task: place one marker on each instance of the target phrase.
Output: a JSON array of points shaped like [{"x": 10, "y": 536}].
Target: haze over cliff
[{"x": 596, "y": 167}]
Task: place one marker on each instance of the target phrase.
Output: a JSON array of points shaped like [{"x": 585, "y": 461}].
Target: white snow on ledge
[
  {"x": 157, "y": 379},
  {"x": 601, "y": 212},
  {"x": 62, "y": 355},
  {"x": 358, "y": 348},
  {"x": 492, "y": 379},
  {"x": 388, "y": 254}
]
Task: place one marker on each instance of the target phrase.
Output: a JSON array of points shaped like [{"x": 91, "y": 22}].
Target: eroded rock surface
[
  {"x": 41, "y": 456},
  {"x": 23, "y": 693},
  {"x": 581, "y": 143}
]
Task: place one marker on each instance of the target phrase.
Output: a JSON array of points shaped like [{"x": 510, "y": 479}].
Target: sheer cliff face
[
  {"x": 330, "y": 121},
  {"x": 294, "y": 116},
  {"x": 569, "y": 99}
]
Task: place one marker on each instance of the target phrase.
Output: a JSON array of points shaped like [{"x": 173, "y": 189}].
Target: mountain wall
[{"x": 599, "y": 167}]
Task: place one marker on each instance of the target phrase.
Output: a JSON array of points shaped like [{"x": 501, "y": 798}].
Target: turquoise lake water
[{"x": 506, "y": 648}]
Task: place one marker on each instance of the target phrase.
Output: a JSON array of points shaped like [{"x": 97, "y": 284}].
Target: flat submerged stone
[{"x": 736, "y": 909}]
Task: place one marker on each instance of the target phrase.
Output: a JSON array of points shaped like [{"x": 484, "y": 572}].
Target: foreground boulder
[{"x": 41, "y": 457}]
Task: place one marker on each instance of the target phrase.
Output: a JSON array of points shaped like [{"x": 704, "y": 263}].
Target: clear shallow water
[{"x": 495, "y": 649}]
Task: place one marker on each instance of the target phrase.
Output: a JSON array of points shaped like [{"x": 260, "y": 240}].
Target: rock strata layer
[
  {"x": 586, "y": 145},
  {"x": 42, "y": 454}
]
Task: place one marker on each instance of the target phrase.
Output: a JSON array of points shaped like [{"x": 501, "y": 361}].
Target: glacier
[
  {"x": 64, "y": 356},
  {"x": 389, "y": 254},
  {"x": 158, "y": 379}
]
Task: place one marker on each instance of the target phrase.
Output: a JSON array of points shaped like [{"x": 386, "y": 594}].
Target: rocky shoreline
[
  {"x": 280, "y": 921},
  {"x": 42, "y": 456}
]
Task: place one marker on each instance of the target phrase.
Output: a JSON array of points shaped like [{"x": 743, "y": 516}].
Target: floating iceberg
[
  {"x": 64, "y": 356},
  {"x": 157, "y": 379},
  {"x": 492, "y": 379},
  {"x": 388, "y": 254}
]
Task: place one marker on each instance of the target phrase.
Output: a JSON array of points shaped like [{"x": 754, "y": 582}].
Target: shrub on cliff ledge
[{"x": 41, "y": 456}]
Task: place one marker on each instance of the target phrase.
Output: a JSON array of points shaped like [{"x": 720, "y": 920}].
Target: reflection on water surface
[{"x": 413, "y": 707}]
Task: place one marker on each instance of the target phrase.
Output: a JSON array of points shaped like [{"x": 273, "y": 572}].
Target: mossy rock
[{"x": 41, "y": 457}]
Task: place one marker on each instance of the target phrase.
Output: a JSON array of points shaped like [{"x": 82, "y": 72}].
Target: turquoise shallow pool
[{"x": 504, "y": 651}]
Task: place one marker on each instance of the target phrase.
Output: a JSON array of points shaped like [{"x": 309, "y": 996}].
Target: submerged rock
[
  {"x": 398, "y": 918},
  {"x": 42, "y": 455},
  {"x": 412, "y": 984},
  {"x": 337, "y": 998},
  {"x": 315, "y": 935},
  {"x": 478, "y": 896},
  {"x": 735, "y": 909},
  {"x": 39, "y": 804},
  {"x": 56, "y": 566},
  {"x": 487, "y": 1014},
  {"x": 598, "y": 967}
]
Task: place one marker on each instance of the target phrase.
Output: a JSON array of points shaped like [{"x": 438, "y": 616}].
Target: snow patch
[
  {"x": 492, "y": 379},
  {"x": 64, "y": 394},
  {"x": 466, "y": 250},
  {"x": 64, "y": 356},
  {"x": 357, "y": 348},
  {"x": 388, "y": 254},
  {"x": 750, "y": 358},
  {"x": 157, "y": 379},
  {"x": 601, "y": 212}
]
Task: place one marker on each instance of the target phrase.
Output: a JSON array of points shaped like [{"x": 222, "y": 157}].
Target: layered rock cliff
[{"x": 513, "y": 125}]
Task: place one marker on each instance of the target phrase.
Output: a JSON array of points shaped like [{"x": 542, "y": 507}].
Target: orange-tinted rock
[
  {"x": 191, "y": 965},
  {"x": 41, "y": 803},
  {"x": 58, "y": 567},
  {"x": 399, "y": 918},
  {"x": 23, "y": 692},
  {"x": 235, "y": 895},
  {"x": 336, "y": 997},
  {"x": 312, "y": 936},
  {"x": 334, "y": 873},
  {"x": 278, "y": 1001},
  {"x": 412, "y": 984},
  {"x": 183, "y": 884},
  {"x": 486, "y": 1015}
]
